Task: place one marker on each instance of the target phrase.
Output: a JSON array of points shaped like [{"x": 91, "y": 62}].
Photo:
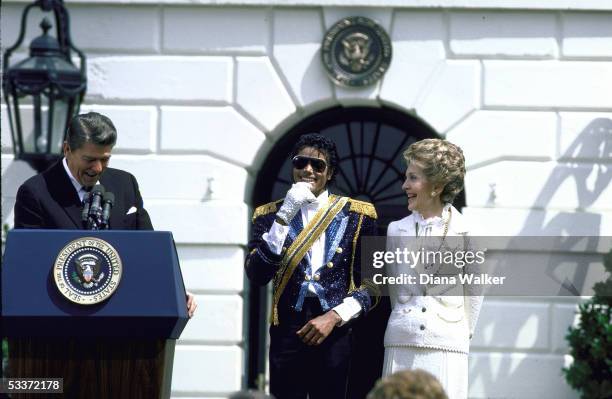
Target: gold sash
[{"x": 303, "y": 242}]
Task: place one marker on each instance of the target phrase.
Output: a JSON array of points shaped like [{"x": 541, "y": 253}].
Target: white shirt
[
  {"x": 275, "y": 238},
  {"x": 77, "y": 186}
]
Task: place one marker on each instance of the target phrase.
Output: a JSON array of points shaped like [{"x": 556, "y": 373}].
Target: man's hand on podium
[{"x": 191, "y": 304}]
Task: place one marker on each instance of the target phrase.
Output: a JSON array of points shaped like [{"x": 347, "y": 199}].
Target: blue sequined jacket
[{"x": 338, "y": 279}]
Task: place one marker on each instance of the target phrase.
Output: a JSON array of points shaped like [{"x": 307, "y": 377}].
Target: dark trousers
[{"x": 297, "y": 370}]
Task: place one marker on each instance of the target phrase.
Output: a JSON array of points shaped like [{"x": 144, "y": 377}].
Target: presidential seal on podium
[{"x": 87, "y": 271}]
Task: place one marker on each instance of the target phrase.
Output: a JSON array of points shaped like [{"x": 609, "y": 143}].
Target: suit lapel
[
  {"x": 75, "y": 212},
  {"x": 65, "y": 194},
  {"x": 334, "y": 234},
  {"x": 116, "y": 216}
]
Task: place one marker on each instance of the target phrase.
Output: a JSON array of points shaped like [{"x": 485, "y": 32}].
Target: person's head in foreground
[
  {"x": 408, "y": 384},
  {"x": 250, "y": 394}
]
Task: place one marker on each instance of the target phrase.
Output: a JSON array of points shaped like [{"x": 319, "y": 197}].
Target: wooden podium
[{"x": 122, "y": 347}]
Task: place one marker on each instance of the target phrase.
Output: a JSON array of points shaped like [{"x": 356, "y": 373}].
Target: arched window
[{"x": 370, "y": 144}]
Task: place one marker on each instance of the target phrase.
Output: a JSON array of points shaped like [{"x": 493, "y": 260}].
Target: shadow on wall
[{"x": 585, "y": 164}]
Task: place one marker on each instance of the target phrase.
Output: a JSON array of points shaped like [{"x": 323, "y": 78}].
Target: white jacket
[{"x": 419, "y": 317}]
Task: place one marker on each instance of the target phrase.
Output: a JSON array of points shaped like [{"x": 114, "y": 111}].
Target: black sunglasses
[{"x": 300, "y": 162}]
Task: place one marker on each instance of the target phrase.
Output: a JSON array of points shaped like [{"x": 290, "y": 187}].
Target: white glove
[{"x": 297, "y": 196}]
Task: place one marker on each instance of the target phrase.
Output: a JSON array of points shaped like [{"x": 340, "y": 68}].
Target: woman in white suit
[{"x": 431, "y": 330}]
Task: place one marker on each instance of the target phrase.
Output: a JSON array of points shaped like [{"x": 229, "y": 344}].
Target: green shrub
[{"x": 590, "y": 343}]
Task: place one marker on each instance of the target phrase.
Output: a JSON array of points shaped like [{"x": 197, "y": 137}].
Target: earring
[{"x": 433, "y": 193}]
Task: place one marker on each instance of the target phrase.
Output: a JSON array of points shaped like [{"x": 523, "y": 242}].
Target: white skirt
[{"x": 450, "y": 368}]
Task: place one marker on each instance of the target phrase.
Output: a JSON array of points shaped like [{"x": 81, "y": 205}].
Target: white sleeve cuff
[
  {"x": 348, "y": 309},
  {"x": 276, "y": 237}
]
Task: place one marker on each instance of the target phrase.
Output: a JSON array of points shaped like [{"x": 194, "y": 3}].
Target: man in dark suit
[
  {"x": 54, "y": 198},
  {"x": 309, "y": 244}
]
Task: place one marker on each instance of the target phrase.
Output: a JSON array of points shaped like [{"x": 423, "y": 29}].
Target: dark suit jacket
[
  {"x": 49, "y": 201},
  {"x": 342, "y": 257}
]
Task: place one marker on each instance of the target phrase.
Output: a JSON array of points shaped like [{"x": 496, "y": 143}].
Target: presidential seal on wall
[
  {"x": 356, "y": 52},
  {"x": 87, "y": 270}
]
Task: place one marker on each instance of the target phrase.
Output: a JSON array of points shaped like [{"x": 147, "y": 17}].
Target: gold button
[
  {"x": 317, "y": 277},
  {"x": 330, "y": 264},
  {"x": 307, "y": 277},
  {"x": 284, "y": 250},
  {"x": 339, "y": 250}
]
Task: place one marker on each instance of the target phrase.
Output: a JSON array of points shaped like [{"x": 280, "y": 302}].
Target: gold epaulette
[
  {"x": 265, "y": 209},
  {"x": 365, "y": 208}
]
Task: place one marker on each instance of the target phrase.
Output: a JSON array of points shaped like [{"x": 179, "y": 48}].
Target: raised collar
[
  {"x": 458, "y": 224},
  {"x": 434, "y": 220}
]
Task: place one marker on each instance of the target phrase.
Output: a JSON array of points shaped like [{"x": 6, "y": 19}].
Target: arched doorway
[{"x": 370, "y": 143}]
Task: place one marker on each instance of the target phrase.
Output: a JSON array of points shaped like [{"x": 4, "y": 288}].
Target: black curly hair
[{"x": 324, "y": 145}]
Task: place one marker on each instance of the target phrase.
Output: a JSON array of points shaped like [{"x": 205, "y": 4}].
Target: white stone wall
[{"x": 199, "y": 93}]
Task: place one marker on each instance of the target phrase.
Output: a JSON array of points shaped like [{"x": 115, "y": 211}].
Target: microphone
[
  {"x": 109, "y": 201},
  {"x": 86, "y": 204},
  {"x": 95, "y": 209}
]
